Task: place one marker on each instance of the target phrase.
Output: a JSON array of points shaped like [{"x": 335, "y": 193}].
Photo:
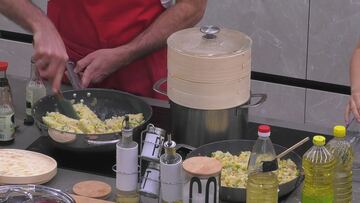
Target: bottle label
[
  {"x": 33, "y": 94},
  {"x": 7, "y": 127}
]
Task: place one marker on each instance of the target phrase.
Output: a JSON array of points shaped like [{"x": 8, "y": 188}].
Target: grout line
[{"x": 307, "y": 57}]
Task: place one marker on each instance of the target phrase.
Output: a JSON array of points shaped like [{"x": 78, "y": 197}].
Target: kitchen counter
[{"x": 67, "y": 176}]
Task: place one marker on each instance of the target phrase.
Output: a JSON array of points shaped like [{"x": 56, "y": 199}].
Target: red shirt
[{"x": 89, "y": 25}]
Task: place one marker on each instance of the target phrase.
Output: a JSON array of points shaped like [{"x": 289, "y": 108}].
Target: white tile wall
[
  {"x": 284, "y": 102},
  {"x": 18, "y": 55},
  {"x": 325, "y": 109},
  {"x": 6, "y": 24}
]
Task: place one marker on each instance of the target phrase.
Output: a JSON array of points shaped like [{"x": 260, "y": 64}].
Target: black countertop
[{"x": 101, "y": 163}]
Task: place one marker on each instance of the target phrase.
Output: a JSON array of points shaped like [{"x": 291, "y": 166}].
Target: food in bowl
[
  {"x": 234, "y": 171},
  {"x": 89, "y": 123}
]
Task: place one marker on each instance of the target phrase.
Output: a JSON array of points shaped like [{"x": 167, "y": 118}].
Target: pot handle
[
  {"x": 156, "y": 86},
  {"x": 258, "y": 103},
  {"x": 96, "y": 142}
]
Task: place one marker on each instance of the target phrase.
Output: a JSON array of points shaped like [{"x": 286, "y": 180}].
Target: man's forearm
[
  {"x": 24, "y": 13},
  {"x": 183, "y": 14},
  {"x": 355, "y": 70}
]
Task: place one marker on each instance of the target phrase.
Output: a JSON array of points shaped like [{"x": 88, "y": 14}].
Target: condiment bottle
[
  {"x": 35, "y": 89},
  {"x": 343, "y": 153},
  {"x": 202, "y": 179},
  {"x": 318, "y": 164},
  {"x": 7, "y": 118},
  {"x": 127, "y": 167},
  {"x": 171, "y": 176},
  {"x": 262, "y": 184},
  {"x": 353, "y": 136}
]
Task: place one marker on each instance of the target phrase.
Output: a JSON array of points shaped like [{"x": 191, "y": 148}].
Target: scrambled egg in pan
[
  {"x": 234, "y": 171},
  {"x": 89, "y": 123}
]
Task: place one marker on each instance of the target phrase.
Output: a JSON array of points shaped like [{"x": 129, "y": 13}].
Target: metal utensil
[
  {"x": 73, "y": 77},
  {"x": 273, "y": 164},
  {"x": 66, "y": 106}
]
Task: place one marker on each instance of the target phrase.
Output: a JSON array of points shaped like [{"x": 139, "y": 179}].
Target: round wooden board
[
  {"x": 92, "y": 188},
  {"x": 16, "y": 159}
]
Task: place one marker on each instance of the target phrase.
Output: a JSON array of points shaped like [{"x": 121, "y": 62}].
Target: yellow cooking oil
[
  {"x": 262, "y": 187},
  {"x": 343, "y": 153},
  {"x": 318, "y": 164}
]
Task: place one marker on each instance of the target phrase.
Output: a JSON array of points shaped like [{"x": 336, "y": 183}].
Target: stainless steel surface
[
  {"x": 105, "y": 103},
  {"x": 210, "y": 31},
  {"x": 196, "y": 127},
  {"x": 32, "y": 193},
  {"x": 73, "y": 77}
]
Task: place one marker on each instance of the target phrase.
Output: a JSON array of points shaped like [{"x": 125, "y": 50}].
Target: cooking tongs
[{"x": 65, "y": 106}]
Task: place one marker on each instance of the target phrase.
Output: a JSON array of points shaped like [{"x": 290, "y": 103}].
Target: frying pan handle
[
  {"x": 258, "y": 103},
  {"x": 95, "y": 142},
  {"x": 73, "y": 77},
  {"x": 156, "y": 86},
  {"x": 191, "y": 148}
]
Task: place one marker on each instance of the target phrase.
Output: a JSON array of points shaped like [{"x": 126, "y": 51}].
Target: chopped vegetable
[{"x": 234, "y": 171}]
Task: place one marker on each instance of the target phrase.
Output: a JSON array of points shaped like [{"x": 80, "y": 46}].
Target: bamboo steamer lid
[{"x": 206, "y": 64}]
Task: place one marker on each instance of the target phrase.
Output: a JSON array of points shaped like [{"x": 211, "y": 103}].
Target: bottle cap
[
  {"x": 264, "y": 131},
  {"x": 319, "y": 140},
  {"x": 3, "y": 65},
  {"x": 339, "y": 131}
]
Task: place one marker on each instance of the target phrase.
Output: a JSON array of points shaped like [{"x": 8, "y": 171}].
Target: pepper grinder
[
  {"x": 127, "y": 167},
  {"x": 171, "y": 176}
]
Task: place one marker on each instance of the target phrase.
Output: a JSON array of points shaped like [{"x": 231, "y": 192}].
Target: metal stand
[{"x": 150, "y": 162}]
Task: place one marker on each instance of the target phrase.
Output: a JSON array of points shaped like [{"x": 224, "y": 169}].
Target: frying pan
[
  {"x": 105, "y": 103},
  {"x": 235, "y": 147}
]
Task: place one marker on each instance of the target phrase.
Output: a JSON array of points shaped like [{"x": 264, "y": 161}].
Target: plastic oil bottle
[
  {"x": 343, "y": 153},
  {"x": 318, "y": 164},
  {"x": 262, "y": 186}
]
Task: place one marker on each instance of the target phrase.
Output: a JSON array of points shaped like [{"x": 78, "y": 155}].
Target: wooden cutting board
[{"x": 81, "y": 199}]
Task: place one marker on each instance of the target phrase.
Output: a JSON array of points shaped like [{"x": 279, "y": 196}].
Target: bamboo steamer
[{"x": 209, "y": 69}]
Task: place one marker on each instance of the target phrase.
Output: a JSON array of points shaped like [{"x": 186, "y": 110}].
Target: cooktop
[{"x": 101, "y": 162}]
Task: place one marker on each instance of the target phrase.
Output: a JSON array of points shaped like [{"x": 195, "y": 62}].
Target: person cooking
[
  {"x": 117, "y": 44},
  {"x": 353, "y": 105}
]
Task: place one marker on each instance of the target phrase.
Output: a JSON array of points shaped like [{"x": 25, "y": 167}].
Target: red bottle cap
[
  {"x": 3, "y": 65},
  {"x": 264, "y": 128}
]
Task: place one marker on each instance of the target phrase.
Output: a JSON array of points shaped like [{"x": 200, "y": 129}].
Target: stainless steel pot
[
  {"x": 33, "y": 194},
  {"x": 196, "y": 127}
]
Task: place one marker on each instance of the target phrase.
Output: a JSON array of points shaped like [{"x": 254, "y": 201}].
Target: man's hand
[
  {"x": 101, "y": 63},
  {"x": 354, "y": 100},
  {"x": 353, "y": 107},
  {"x": 50, "y": 54}
]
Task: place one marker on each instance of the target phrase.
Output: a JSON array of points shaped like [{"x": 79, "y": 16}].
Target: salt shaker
[
  {"x": 154, "y": 138},
  {"x": 202, "y": 179},
  {"x": 171, "y": 176},
  {"x": 150, "y": 184}
]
